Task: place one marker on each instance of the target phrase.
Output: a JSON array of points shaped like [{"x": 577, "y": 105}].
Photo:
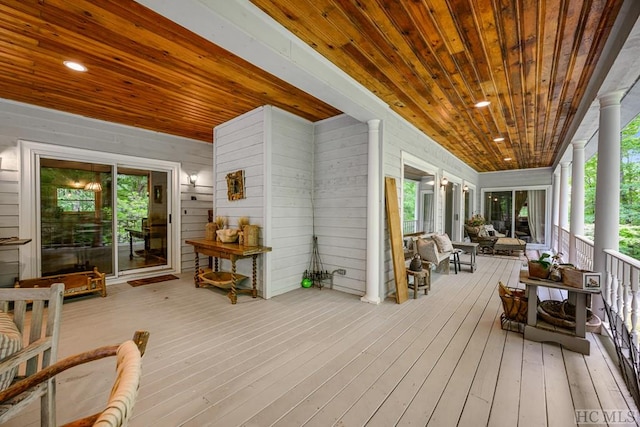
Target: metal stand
[{"x": 316, "y": 272}]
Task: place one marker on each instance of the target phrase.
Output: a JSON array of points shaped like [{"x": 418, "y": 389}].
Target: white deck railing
[
  {"x": 410, "y": 226},
  {"x": 620, "y": 289},
  {"x": 584, "y": 253}
]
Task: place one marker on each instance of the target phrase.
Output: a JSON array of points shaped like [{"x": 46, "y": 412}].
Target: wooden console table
[
  {"x": 572, "y": 340},
  {"x": 230, "y": 251}
]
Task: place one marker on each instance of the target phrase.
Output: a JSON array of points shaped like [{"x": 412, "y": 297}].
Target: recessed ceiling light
[
  {"x": 482, "y": 104},
  {"x": 76, "y": 66},
  {"x": 507, "y": 159},
  {"x": 498, "y": 139}
]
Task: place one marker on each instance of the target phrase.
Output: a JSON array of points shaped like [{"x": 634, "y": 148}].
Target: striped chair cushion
[{"x": 10, "y": 342}]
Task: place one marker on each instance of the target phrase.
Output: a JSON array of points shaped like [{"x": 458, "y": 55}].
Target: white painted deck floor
[{"x": 321, "y": 357}]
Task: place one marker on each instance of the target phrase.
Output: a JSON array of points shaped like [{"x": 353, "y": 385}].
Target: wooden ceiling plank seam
[
  {"x": 489, "y": 86},
  {"x": 553, "y": 18},
  {"x": 378, "y": 22},
  {"x": 521, "y": 11},
  {"x": 500, "y": 67},
  {"x": 577, "y": 37},
  {"x": 450, "y": 73},
  {"x": 131, "y": 107},
  {"x": 469, "y": 23},
  {"x": 114, "y": 115},
  {"x": 257, "y": 77},
  {"x": 464, "y": 105},
  {"x": 383, "y": 77},
  {"x": 256, "y": 80},
  {"x": 508, "y": 17},
  {"x": 591, "y": 54},
  {"x": 382, "y": 43},
  {"x": 287, "y": 107},
  {"x": 425, "y": 59},
  {"x": 533, "y": 33}
]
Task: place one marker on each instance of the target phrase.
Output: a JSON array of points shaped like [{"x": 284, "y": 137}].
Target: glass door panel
[
  {"x": 142, "y": 218},
  {"x": 76, "y": 217},
  {"x": 497, "y": 210},
  {"x": 530, "y": 208}
]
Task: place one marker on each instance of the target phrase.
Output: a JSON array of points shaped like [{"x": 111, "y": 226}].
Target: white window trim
[
  {"x": 30, "y": 152},
  {"x": 548, "y": 210}
]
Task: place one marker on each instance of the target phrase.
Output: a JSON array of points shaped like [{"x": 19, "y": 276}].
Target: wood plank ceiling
[{"x": 430, "y": 60}]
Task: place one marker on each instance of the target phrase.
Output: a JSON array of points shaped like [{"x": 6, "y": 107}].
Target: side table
[
  {"x": 573, "y": 340},
  {"x": 472, "y": 249},
  {"x": 421, "y": 280}
]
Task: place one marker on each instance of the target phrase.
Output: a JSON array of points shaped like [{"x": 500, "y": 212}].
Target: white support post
[
  {"x": 607, "y": 187},
  {"x": 374, "y": 208},
  {"x": 577, "y": 198},
  {"x": 563, "y": 211},
  {"x": 556, "y": 211}
]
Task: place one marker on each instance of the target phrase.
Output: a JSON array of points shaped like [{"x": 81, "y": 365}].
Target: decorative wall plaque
[{"x": 235, "y": 185}]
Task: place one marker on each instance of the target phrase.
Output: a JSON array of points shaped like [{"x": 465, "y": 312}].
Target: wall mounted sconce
[
  {"x": 193, "y": 177},
  {"x": 444, "y": 181},
  {"x": 465, "y": 188}
]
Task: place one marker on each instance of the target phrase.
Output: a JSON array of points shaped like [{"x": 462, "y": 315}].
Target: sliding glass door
[
  {"x": 78, "y": 227},
  {"x": 521, "y": 213},
  {"x": 76, "y": 217},
  {"x": 142, "y": 220}
]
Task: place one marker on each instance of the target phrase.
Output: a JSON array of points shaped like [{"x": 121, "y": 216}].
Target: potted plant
[
  {"x": 541, "y": 268},
  {"x": 476, "y": 220}
]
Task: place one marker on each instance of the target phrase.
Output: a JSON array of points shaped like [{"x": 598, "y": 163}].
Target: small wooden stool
[
  {"x": 421, "y": 280},
  {"x": 456, "y": 260}
]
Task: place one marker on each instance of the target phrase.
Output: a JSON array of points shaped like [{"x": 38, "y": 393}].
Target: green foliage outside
[
  {"x": 409, "y": 201},
  {"x": 629, "y": 191},
  {"x": 133, "y": 203}
]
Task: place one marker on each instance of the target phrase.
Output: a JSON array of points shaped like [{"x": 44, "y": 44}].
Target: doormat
[{"x": 148, "y": 280}]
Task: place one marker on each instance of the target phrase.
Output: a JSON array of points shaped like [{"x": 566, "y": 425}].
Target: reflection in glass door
[
  {"x": 518, "y": 213},
  {"x": 78, "y": 230},
  {"x": 142, "y": 218},
  {"x": 76, "y": 217}
]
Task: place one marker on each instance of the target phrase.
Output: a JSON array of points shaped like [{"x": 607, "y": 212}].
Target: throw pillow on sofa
[
  {"x": 443, "y": 242},
  {"x": 428, "y": 250}
]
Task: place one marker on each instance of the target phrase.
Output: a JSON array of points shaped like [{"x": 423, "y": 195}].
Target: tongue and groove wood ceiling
[{"x": 429, "y": 60}]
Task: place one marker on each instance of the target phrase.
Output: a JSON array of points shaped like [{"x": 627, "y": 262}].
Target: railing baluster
[{"x": 633, "y": 284}]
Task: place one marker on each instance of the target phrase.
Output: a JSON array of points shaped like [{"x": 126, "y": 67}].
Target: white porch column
[
  {"x": 608, "y": 180},
  {"x": 374, "y": 209},
  {"x": 556, "y": 209},
  {"x": 563, "y": 212},
  {"x": 577, "y": 197},
  {"x": 607, "y": 222}
]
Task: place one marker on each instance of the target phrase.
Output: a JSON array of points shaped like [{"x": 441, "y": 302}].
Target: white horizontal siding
[
  {"x": 291, "y": 199},
  {"x": 21, "y": 121},
  {"x": 340, "y": 199}
]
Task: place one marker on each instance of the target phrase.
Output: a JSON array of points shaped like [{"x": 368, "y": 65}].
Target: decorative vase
[
  {"x": 538, "y": 270},
  {"x": 416, "y": 263},
  {"x": 250, "y": 233}
]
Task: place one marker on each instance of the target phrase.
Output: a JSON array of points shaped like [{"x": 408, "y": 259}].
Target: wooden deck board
[{"x": 321, "y": 357}]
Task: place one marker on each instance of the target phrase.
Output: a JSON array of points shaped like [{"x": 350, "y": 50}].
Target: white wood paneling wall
[
  {"x": 239, "y": 144},
  {"x": 275, "y": 150},
  {"x": 291, "y": 199},
  {"x": 340, "y": 199},
  {"x": 22, "y": 121}
]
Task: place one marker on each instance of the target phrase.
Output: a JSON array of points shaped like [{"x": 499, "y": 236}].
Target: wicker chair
[{"x": 125, "y": 389}]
